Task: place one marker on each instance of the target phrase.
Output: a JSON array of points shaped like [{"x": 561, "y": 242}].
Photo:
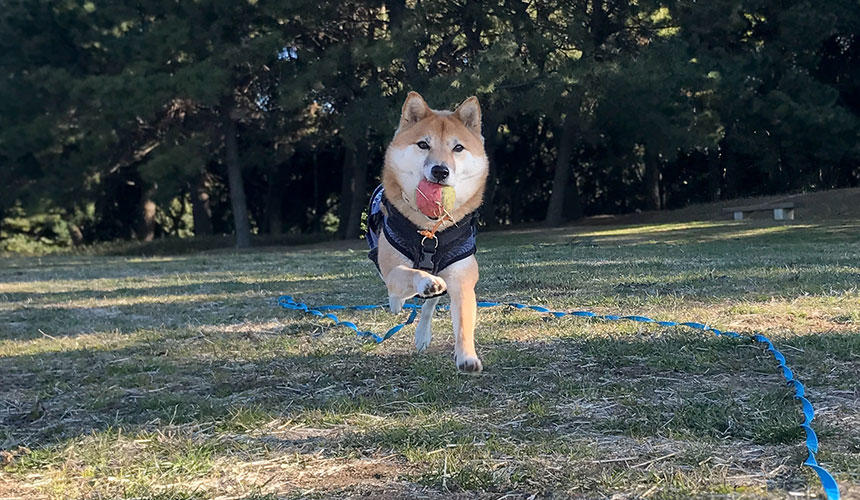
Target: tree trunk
[
  {"x": 599, "y": 25},
  {"x": 488, "y": 212},
  {"x": 274, "y": 203},
  {"x": 555, "y": 210},
  {"x": 573, "y": 201},
  {"x": 201, "y": 212},
  {"x": 345, "y": 191},
  {"x": 176, "y": 218},
  {"x": 234, "y": 176},
  {"x": 652, "y": 181},
  {"x": 733, "y": 175},
  {"x": 316, "y": 224},
  {"x": 147, "y": 219},
  {"x": 490, "y": 130},
  {"x": 415, "y": 78},
  {"x": 358, "y": 191},
  {"x": 715, "y": 175},
  {"x": 74, "y": 232}
]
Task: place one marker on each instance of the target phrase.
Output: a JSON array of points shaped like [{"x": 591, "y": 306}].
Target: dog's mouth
[
  {"x": 434, "y": 199},
  {"x": 434, "y": 181}
]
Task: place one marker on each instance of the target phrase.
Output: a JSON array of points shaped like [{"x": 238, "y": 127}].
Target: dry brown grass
[{"x": 178, "y": 377}]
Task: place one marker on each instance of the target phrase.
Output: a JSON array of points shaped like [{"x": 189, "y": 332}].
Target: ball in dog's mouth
[{"x": 433, "y": 199}]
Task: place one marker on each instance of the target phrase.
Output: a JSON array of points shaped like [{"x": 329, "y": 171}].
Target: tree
[{"x": 144, "y": 120}]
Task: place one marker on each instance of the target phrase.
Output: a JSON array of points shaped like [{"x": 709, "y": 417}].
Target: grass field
[{"x": 178, "y": 377}]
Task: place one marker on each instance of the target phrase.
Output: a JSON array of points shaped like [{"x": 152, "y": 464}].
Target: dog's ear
[
  {"x": 469, "y": 112},
  {"x": 414, "y": 109}
]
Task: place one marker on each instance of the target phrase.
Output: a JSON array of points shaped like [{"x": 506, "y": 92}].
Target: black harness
[{"x": 428, "y": 254}]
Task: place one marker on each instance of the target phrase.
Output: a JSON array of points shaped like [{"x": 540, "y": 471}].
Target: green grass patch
[{"x": 178, "y": 376}]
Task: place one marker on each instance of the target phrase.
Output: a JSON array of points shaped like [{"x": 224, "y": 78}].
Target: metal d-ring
[{"x": 434, "y": 239}]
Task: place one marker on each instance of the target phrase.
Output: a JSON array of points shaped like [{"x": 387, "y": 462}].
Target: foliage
[
  {"x": 109, "y": 107},
  {"x": 35, "y": 234}
]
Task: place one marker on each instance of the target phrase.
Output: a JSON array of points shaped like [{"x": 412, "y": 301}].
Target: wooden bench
[{"x": 781, "y": 211}]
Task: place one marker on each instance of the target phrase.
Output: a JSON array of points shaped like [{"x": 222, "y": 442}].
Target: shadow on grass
[
  {"x": 56, "y": 396},
  {"x": 169, "y": 292},
  {"x": 551, "y": 279},
  {"x": 347, "y": 399},
  {"x": 547, "y": 272},
  {"x": 64, "y": 267},
  {"x": 128, "y": 310},
  {"x": 232, "y": 387}
]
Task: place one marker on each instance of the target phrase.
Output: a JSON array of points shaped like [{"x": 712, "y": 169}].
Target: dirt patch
[{"x": 309, "y": 474}]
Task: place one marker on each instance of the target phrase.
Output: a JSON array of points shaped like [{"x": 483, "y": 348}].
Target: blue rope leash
[
  {"x": 831, "y": 489},
  {"x": 288, "y": 302}
]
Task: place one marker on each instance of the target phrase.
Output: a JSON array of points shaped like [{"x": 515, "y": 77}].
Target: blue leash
[
  {"x": 831, "y": 489},
  {"x": 288, "y": 302}
]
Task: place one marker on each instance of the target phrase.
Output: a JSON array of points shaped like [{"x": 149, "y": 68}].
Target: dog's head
[{"x": 445, "y": 147}]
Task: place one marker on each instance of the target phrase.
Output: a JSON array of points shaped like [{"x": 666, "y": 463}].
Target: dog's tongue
[{"x": 434, "y": 199}]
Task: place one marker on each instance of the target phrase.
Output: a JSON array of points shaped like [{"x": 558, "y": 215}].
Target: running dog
[{"x": 422, "y": 225}]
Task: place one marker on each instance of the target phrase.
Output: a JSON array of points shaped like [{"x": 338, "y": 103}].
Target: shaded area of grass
[{"x": 178, "y": 377}]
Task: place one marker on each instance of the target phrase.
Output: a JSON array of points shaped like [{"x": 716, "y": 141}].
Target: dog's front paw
[
  {"x": 469, "y": 364},
  {"x": 395, "y": 303},
  {"x": 430, "y": 286},
  {"x": 422, "y": 338}
]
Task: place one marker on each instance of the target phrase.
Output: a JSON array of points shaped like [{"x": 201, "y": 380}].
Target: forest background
[{"x": 139, "y": 120}]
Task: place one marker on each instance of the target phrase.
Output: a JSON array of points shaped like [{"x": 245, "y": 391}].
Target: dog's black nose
[{"x": 439, "y": 172}]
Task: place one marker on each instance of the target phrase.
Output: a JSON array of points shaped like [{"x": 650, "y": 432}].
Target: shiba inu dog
[{"x": 421, "y": 225}]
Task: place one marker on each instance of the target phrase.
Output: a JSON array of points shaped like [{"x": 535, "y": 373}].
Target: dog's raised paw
[
  {"x": 470, "y": 364},
  {"x": 430, "y": 286}
]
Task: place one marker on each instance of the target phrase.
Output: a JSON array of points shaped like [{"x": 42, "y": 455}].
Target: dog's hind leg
[{"x": 423, "y": 331}]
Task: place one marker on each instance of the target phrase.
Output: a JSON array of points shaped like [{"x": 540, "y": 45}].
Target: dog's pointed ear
[
  {"x": 414, "y": 109},
  {"x": 469, "y": 112}
]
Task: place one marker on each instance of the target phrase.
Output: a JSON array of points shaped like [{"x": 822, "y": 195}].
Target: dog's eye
[
  {"x": 422, "y": 145},
  {"x": 458, "y": 148}
]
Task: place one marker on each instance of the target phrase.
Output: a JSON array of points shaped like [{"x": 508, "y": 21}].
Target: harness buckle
[{"x": 425, "y": 257}]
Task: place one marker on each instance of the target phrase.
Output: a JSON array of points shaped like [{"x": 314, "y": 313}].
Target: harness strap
[
  {"x": 429, "y": 250},
  {"x": 429, "y": 245}
]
